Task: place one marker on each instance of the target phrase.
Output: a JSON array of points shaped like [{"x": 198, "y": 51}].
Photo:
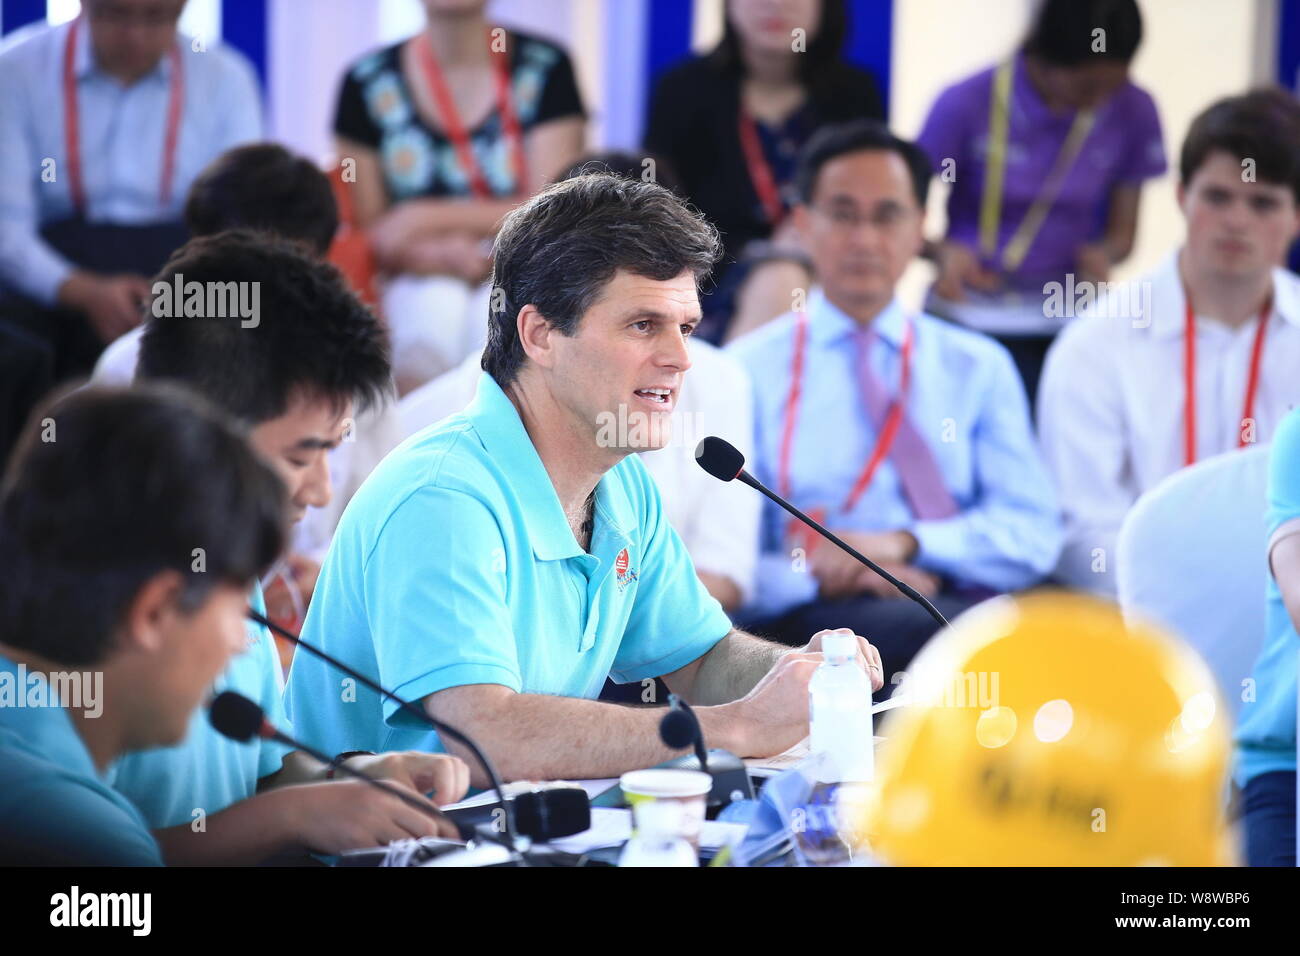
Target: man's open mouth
[{"x": 659, "y": 395}]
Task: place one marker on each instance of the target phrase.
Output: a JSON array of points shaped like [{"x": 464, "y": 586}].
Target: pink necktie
[{"x": 918, "y": 473}]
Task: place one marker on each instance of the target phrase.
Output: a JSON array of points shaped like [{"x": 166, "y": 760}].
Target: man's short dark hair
[
  {"x": 264, "y": 187},
  {"x": 1262, "y": 125},
  {"x": 558, "y": 250},
  {"x": 1063, "y": 32},
  {"x": 831, "y": 142},
  {"x": 313, "y": 337},
  {"x": 625, "y": 163},
  {"x": 111, "y": 486}
]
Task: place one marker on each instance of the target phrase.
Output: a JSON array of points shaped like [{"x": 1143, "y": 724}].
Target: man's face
[
  {"x": 862, "y": 227},
  {"x": 296, "y": 445},
  {"x": 620, "y": 375},
  {"x": 1234, "y": 228},
  {"x": 129, "y": 37},
  {"x": 194, "y": 649}
]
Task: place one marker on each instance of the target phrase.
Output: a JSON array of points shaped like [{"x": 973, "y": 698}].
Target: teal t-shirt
[
  {"x": 1266, "y": 725},
  {"x": 454, "y": 564},
  {"x": 54, "y": 808},
  {"x": 207, "y": 772}
]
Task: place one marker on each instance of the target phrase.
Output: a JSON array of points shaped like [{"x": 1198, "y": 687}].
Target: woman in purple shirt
[{"x": 1046, "y": 153}]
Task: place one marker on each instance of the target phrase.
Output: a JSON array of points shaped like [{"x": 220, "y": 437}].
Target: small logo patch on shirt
[{"x": 624, "y": 574}]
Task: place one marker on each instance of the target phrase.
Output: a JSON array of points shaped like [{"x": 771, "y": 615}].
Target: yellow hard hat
[{"x": 1046, "y": 731}]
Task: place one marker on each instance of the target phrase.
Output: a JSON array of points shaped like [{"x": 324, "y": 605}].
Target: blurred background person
[
  {"x": 449, "y": 129},
  {"x": 732, "y": 122},
  {"x": 105, "y": 122},
  {"x": 907, "y": 436},
  {"x": 1046, "y": 153},
  {"x": 1266, "y": 724},
  {"x": 1198, "y": 357}
]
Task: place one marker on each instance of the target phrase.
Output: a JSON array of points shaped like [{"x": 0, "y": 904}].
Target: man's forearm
[
  {"x": 244, "y": 834},
  {"x": 731, "y": 669},
  {"x": 537, "y": 737}
]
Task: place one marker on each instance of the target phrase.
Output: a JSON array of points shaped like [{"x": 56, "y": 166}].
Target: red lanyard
[
  {"x": 1189, "y": 373},
  {"x": 72, "y": 124},
  {"x": 760, "y": 171},
  {"x": 888, "y": 432},
  {"x": 456, "y": 129}
]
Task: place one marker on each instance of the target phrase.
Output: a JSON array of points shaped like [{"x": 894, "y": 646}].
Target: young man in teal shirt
[
  {"x": 294, "y": 375},
  {"x": 112, "y": 632},
  {"x": 499, "y": 565}
]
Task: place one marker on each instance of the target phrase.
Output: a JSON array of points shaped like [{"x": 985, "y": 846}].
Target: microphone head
[
  {"x": 552, "y": 812},
  {"x": 677, "y": 730},
  {"x": 235, "y": 716},
  {"x": 719, "y": 458}
]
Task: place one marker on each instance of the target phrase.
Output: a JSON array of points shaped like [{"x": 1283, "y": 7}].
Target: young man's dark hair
[
  {"x": 312, "y": 335},
  {"x": 263, "y": 186},
  {"x": 1262, "y": 126},
  {"x": 1063, "y": 32},
  {"x": 625, "y": 163},
  {"x": 107, "y": 488},
  {"x": 558, "y": 250},
  {"x": 833, "y": 141}
]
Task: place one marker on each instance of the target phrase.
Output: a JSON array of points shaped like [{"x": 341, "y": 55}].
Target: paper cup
[{"x": 687, "y": 787}]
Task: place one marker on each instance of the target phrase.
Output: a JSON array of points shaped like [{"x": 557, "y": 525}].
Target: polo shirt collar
[
  {"x": 831, "y": 326},
  {"x": 497, "y": 422},
  {"x": 48, "y": 731}
]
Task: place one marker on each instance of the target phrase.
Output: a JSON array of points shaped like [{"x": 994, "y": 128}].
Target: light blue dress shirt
[
  {"x": 54, "y": 807},
  {"x": 1266, "y": 726},
  {"x": 454, "y": 564},
  {"x": 208, "y": 772},
  {"x": 122, "y": 131},
  {"x": 969, "y": 405}
]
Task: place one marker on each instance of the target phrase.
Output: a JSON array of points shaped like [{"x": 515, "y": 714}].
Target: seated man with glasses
[{"x": 907, "y": 436}]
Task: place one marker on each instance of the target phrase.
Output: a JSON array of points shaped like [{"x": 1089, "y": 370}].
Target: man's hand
[
  {"x": 925, "y": 583},
  {"x": 773, "y": 717},
  {"x": 446, "y": 776},
  {"x": 112, "y": 304},
  {"x": 868, "y": 656},
  {"x": 351, "y": 814},
  {"x": 840, "y": 575}
]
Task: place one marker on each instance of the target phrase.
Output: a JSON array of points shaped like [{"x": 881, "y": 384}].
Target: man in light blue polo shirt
[
  {"x": 499, "y": 565},
  {"x": 112, "y": 636},
  {"x": 1266, "y": 726}
]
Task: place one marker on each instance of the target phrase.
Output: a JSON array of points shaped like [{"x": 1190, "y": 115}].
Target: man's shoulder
[
  {"x": 769, "y": 340},
  {"x": 221, "y": 63},
  {"x": 28, "y": 45},
  {"x": 955, "y": 340}
]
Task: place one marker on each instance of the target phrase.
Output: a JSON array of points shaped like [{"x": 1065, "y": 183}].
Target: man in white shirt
[
  {"x": 1116, "y": 414},
  {"x": 718, "y": 525}
]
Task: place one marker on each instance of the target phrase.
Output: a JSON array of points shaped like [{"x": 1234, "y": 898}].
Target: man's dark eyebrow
[
  {"x": 312, "y": 444},
  {"x": 658, "y": 316}
]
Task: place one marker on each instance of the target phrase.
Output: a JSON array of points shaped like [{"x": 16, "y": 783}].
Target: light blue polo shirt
[
  {"x": 54, "y": 808},
  {"x": 454, "y": 564},
  {"x": 1266, "y": 726},
  {"x": 207, "y": 771}
]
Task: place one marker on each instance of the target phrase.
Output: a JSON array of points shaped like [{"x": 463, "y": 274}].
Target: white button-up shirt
[{"x": 1112, "y": 396}]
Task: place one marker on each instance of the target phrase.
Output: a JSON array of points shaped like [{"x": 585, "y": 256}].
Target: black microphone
[
  {"x": 447, "y": 730},
  {"x": 679, "y": 729},
  {"x": 724, "y": 461},
  {"x": 235, "y": 716}
]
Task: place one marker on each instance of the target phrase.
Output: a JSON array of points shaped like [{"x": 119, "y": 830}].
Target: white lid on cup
[{"x": 666, "y": 783}]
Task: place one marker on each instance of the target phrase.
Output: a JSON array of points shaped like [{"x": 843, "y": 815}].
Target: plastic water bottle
[
  {"x": 839, "y": 700},
  {"x": 658, "y": 840}
]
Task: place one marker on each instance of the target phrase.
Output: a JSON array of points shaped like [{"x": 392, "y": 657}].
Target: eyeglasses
[{"x": 886, "y": 217}]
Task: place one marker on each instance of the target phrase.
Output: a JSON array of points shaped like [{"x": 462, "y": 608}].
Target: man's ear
[
  {"x": 1180, "y": 196},
  {"x": 535, "y": 336},
  {"x": 149, "y": 615},
  {"x": 801, "y": 219}
]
